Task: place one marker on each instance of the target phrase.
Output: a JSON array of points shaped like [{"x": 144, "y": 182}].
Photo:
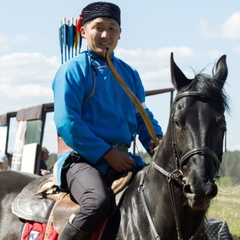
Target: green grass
[{"x": 226, "y": 206}]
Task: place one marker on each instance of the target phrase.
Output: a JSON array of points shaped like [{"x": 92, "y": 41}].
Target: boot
[{"x": 70, "y": 232}]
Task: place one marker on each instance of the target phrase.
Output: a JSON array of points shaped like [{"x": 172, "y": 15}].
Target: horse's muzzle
[{"x": 199, "y": 197}]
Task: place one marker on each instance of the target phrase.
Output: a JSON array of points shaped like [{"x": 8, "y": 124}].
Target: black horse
[
  {"x": 169, "y": 198},
  {"x": 11, "y": 183}
]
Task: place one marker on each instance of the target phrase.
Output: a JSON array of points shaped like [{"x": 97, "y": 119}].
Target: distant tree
[{"x": 230, "y": 166}]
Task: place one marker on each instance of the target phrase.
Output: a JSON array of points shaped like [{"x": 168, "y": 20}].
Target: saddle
[{"x": 42, "y": 201}]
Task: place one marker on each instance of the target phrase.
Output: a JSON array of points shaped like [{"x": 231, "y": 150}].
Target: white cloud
[
  {"x": 23, "y": 68},
  {"x": 230, "y": 29},
  {"x": 25, "y": 80},
  {"x": 153, "y": 64},
  {"x": 14, "y": 98},
  {"x": 151, "y": 57},
  {"x": 33, "y": 90}
]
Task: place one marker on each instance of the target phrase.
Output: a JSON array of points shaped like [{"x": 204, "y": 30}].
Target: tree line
[{"x": 230, "y": 168}]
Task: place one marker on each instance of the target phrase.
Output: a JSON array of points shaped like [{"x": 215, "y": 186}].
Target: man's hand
[
  {"x": 119, "y": 161},
  {"x": 153, "y": 145},
  {"x": 44, "y": 172}
]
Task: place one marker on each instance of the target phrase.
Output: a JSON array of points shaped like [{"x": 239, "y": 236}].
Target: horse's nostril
[
  {"x": 187, "y": 188},
  {"x": 211, "y": 190}
]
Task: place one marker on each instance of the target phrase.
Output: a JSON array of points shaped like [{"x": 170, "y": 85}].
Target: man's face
[
  {"x": 3, "y": 166},
  {"x": 101, "y": 33}
]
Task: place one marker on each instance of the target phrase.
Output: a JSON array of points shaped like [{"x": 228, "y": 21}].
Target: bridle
[
  {"x": 177, "y": 175},
  {"x": 181, "y": 160}
]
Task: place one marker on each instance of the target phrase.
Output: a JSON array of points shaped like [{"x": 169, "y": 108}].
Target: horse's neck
[{"x": 164, "y": 156}]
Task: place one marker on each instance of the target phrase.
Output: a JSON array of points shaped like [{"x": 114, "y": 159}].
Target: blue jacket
[{"x": 91, "y": 110}]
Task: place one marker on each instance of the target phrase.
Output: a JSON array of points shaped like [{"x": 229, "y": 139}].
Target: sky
[{"x": 197, "y": 32}]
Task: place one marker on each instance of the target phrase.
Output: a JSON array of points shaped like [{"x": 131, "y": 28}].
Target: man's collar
[{"x": 96, "y": 56}]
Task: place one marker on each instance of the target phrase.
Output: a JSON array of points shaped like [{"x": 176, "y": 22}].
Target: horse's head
[{"x": 196, "y": 128}]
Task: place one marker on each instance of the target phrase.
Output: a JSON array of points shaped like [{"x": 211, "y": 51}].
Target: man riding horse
[{"x": 96, "y": 121}]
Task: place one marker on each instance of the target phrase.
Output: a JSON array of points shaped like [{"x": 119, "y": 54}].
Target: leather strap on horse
[
  {"x": 134, "y": 99},
  {"x": 50, "y": 220},
  {"x": 141, "y": 191}
]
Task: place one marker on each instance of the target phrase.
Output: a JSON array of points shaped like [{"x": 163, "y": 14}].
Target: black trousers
[{"x": 88, "y": 187}]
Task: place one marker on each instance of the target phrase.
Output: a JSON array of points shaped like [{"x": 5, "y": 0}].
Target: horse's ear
[
  {"x": 221, "y": 70},
  {"x": 179, "y": 80}
]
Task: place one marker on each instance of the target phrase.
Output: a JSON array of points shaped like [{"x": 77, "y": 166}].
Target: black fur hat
[{"x": 101, "y": 9}]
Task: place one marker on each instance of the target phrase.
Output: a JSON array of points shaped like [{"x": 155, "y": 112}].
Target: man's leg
[{"x": 90, "y": 191}]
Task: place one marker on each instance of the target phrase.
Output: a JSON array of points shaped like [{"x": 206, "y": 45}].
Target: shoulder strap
[{"x": 134, "y": 99}]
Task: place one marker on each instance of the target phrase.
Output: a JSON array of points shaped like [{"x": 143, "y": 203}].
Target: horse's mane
[{"x": 207, "y": 86}]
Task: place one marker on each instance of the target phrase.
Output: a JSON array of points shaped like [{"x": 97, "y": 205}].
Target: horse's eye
[
  {"x": 224, "y": 127},
  {"x": 222, "y": 122}
]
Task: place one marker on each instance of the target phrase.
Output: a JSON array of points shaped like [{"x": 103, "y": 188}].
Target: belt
[{"x": 120, "y": 146}]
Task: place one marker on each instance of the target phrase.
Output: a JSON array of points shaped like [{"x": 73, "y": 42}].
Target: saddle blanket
[{"x": 36, "y": 231}]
